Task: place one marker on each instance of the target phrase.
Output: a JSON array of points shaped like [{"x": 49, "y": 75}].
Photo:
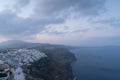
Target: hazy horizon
[{"x": 77, "y": 46}]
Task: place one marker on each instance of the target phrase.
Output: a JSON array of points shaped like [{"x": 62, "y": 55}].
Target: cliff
[{"x": 57, "y": 66}]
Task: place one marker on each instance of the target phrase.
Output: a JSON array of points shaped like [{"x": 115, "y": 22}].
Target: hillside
[{"x": 38, "y": 62}]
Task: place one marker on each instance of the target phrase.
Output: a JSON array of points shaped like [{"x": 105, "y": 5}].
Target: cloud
[
  {"x": 56, "y": 7},
  {"x": 108, "y": 22},
  {"x": 13, "y": 4},
  {"x": 16, "y": 27},
  {"x": 11, "y": 23},
  {"x": 64, "y": 29},
  {"x": 21, "y": 3},
  {"x": 47, "y": 17}
]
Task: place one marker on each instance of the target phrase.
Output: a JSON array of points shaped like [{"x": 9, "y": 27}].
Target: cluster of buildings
[{"x": 16, "y": 58}]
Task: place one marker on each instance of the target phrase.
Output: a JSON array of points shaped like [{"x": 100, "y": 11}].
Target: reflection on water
[{"x": 101, "y": 63}]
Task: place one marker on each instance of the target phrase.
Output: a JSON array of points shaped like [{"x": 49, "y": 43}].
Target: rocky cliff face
[{"x": 57, "y": 66}]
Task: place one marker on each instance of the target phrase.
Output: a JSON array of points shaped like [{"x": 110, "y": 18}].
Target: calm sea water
[{"x": 97, "y": 63}]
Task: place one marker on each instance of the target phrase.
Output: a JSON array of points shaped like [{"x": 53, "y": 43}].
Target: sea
[{"x": 97, "y": 63}]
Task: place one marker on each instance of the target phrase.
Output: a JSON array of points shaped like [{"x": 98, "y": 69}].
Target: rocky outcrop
[{"x": 57, "y": 66}]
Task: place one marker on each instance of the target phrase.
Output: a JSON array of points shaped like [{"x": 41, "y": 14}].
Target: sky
[{"x": 69, "y": 22}]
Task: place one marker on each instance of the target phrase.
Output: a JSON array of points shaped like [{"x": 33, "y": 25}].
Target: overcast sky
[{"x": 71, "y": 22}]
